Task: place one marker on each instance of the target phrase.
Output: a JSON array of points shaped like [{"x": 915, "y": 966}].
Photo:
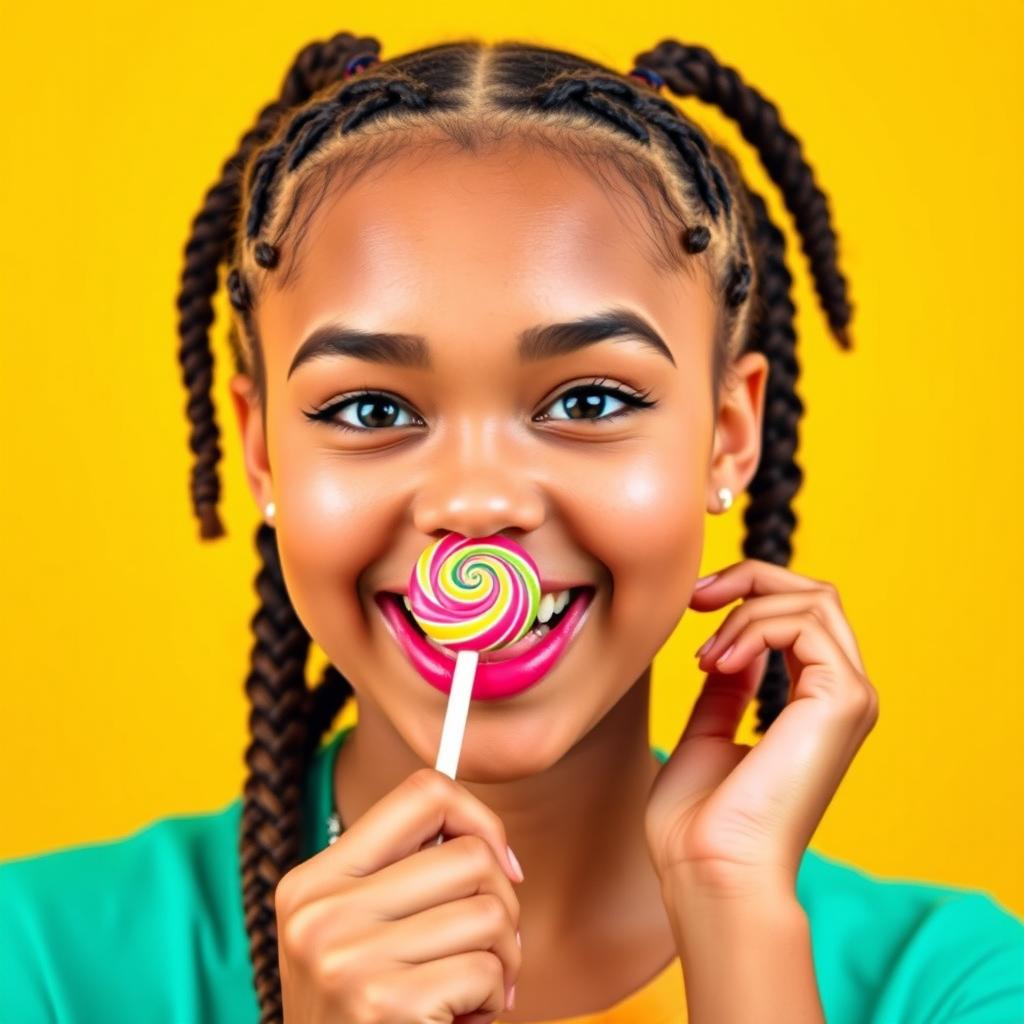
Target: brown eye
[
  {"x": 595, "y": 402},
  {"x": 376, "y": 412},
  {"x": 370, "y": 410}
]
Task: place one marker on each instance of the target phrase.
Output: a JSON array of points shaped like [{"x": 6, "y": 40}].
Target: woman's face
[{"x": 474, "y": 435}]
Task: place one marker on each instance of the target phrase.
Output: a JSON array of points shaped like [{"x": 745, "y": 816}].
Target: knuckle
[
  {"x": 873, "y": 702},
  {"x": 375, "y": 1002},
  {"x": 493, "y": 911},
  {"x": 296, "y": 939},
  {"x": 334, "y": 972},
  {"x": 809, "y": 618},
  {"x": 493, "y": 967},
  {"x": 860, "y": 703},
  {"x": 430, "y": 784},
  {"x": 476, "y": 853},
  {"x": 818, "y": 615},
  {"x": 737, "y": 618},
  {"x": 283, "y": 897}
]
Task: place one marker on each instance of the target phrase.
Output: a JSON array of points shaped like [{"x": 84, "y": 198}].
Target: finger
[
  {"x": 822, "y": 602},
  {"x": 479, "y": 922},
  {"x": 723, "y": 699},
  {"x": 399, "y": 824},
  {"x": 749, "y": 578},
  {"x": 461, "y": 868},
  {"x": 469, "y": 983},
  {"x": 796, "y": 767}
]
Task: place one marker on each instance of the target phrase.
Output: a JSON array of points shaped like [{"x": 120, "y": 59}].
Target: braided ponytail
[
  {"x": 286, "y": 719},
  {"x": 210, "y": 244},
  {"x": 769, "y": 517}
]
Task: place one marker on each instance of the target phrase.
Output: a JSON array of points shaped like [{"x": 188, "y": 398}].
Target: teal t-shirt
[{"x": 149, "y": 928}]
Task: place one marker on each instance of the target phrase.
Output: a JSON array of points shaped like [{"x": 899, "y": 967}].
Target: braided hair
[{"x": 340, "y": 111}]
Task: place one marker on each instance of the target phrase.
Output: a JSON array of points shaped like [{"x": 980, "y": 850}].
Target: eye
[
  {"x": 593, "y": 402},
  {"x": 368, "y": 410}
]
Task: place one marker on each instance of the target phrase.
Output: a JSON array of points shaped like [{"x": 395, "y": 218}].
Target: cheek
[
  {"x": 646, "y": 524},
  {"x": 334, "y": 524}
]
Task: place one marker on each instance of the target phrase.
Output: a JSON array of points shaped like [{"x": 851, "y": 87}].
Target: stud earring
[
  {"x": 269, "y": 509},
  {"x": 725, "y": 497}
]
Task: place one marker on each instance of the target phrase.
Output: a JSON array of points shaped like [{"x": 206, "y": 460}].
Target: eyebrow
[{"x": 543, "y": 341}]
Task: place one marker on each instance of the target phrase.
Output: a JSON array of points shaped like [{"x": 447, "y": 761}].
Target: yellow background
[{"x": 126, "y": 639}]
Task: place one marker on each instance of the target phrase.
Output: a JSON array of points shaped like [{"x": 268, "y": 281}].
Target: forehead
[{"x": 436, "y": 240}]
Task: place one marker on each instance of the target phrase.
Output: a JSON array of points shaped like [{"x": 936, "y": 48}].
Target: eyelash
[{"x": 632, "y": 400}]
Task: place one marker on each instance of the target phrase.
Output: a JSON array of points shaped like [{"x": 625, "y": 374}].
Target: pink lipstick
[{"x": 500, "y": 673}]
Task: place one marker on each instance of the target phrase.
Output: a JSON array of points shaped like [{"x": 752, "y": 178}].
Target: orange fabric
[{"x": 661, "y": 1001}]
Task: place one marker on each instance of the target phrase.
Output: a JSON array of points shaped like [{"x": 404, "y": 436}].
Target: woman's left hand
[{"x": 734, "y": 818}]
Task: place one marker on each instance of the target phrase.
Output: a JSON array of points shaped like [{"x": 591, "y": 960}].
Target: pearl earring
[
  {"x": 725, "y": 497},
  {"x": 269, "y": 510}
]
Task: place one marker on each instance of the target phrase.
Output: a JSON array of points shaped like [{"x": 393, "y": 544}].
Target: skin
[{"x": 468, "y": 251}]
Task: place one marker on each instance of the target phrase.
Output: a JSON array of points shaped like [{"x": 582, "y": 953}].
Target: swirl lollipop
[
  {"x": 474, "y": 594},
  {"x": 471, "y": 594}
]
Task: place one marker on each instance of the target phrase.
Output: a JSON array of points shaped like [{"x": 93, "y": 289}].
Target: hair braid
[
  {"x": 284, "y": 736},
  {"x": 372, "y": 95},
  {"x": 694, "y": 71},
  {"x": 593, "y": 93},
  {"x": 286, "y": 720},
  {"x": 209, "y": 245},
  {"x": 769, "y": 517}
]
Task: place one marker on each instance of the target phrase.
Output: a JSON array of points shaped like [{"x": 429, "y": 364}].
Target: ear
[
  {"x": 254, "y": 444},
  {"x": 737, "y": 444}
]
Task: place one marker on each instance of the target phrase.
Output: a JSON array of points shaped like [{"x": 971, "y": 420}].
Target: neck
[{"x": 576, "y": 827}]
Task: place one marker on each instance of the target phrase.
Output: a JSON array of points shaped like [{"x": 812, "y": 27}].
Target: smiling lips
[{"x": 501, "y": 673}]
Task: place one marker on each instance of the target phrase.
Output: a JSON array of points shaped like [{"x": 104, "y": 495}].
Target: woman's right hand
[{"x": 386, "y": 926}]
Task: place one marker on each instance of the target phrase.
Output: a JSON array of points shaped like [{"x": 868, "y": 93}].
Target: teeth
[{"x": 550, "y": 604}]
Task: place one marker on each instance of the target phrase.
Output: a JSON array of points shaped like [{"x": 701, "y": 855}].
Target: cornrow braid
[
  {"x": 371, "y": 96},
  {"x": 620, "y": 103},
  {"x": 694, "y": 71},
  {"x": 473, "y": 93}
]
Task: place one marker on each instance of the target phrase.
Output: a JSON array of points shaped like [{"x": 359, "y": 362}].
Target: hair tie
[
  {"x": 238, "y": 292},
  {"x": 652, "y": 78},
  {"x": 266, "y": 255},
  {"x": 696, "y": 239},
  {"x": 356, "y": 64}
]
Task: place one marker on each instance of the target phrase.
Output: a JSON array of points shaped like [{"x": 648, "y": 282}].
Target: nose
[{"x": 477, "y": 493}]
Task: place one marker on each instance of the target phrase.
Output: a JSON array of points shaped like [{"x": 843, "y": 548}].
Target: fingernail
[
  {"x": 706, "y": 646},
  {"x": 705, "y": 580},
  {"x": 510, "y": 998},
  {"x": 519, "y": 941},
  {"x": 514, "y": 861},
  {"x": 725, "y": 654}
]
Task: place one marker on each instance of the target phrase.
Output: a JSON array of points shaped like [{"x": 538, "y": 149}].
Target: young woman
[{"x": 506, "y": 290}]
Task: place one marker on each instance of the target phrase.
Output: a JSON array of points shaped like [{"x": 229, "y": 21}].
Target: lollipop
[
  {"x": 471, "y": 594},
  {"x": 475, "y": 594}
]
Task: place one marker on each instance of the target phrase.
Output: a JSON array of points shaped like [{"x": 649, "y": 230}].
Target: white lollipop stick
[{"x": 455, "y": 715}]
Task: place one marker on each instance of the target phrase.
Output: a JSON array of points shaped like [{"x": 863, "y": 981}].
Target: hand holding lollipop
[{"x": 471, "y": 594}]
